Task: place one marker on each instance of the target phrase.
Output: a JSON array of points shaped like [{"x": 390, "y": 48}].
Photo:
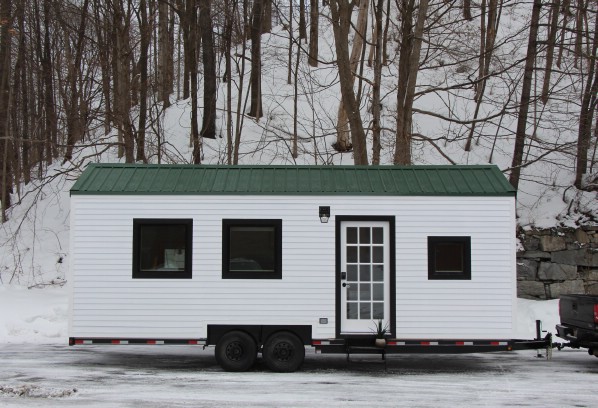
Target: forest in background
[{"x": 384, "y": 81}]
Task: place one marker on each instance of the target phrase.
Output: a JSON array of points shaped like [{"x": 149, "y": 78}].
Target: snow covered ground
[
  {"x": 184, "y": 376},
  {"x": 39, "y": 369}
]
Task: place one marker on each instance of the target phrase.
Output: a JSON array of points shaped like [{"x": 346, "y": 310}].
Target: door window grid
[{"x": 365, "y": 273}]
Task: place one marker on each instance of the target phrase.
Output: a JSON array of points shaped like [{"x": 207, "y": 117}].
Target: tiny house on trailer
[{"x": 272, "y": 258}]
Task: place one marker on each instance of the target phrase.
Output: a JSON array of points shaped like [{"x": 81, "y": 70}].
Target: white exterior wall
[{"x": 107, "y": 302}]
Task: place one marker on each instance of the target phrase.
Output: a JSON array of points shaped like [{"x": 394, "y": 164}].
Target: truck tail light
[{"x": 596, "y": 314}]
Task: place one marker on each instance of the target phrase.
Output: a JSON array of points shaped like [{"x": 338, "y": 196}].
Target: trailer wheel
[
  {"x": 283, "y": 352},
  {"x": 236, "y": 351}
]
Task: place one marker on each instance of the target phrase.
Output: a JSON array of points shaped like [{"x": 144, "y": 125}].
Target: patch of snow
[
  {"x": 34, "y": 391},
  {"x": 33, "y": 315}
]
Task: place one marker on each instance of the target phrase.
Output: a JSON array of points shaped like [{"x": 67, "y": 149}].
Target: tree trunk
[
  {"x": 579, "y": 31},
  {"x": 551, "y": 44},
  {"x": 412, "y": 39},
  {"x": 291, "y": 40},
  {"x": 208, "y": 129},
  {"x": 23, "y": 89},
  {"x": 228, "y": 29},
  {"x": 165, "y": 51},
  {"x": 103, "y": 41},
  {"x": 49, "y": 105},
  {"x": 302, "y": 23},
  {"x": 566, "y": 11},
  {"x": 5, "y": 65},
  {"x": 145, "y": 34},
  {"x": 183, "y": 13},
  {"x": 295, "y": 142},
  {"x": 74, "y": 119},
  {"x": 122, "y": 79},
  {"x": 255, "y": 109},
  {"x": 385, "y": 36},
  {"x": 239, "y": 121},
  {"x": 341, "y": 22},
  {"x": 314, "y": 16},
  {"x": 344, "y": 135},
  {"x": 486, "y": 53},
  {"x": 467, "y": 10},
  {"x": 525, "y": 96},
  {"x": 267, "y": 16},
  {"x": 191, "y": 48},
  {"x": 376, "y": 103}
]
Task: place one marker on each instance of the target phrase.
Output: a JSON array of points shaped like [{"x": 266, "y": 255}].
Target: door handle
[
  {"x": 343, "y": 275},
  {"x": 345, "y": 285}
]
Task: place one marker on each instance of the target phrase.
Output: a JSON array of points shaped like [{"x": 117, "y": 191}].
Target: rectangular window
[
  {"x": 162, "y": 248},
  {"x": 252, "y": 249},
  {"x": 449, "y": 258}
]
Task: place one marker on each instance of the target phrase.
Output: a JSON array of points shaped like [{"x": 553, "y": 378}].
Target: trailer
[{"x": 270, "y": 259}]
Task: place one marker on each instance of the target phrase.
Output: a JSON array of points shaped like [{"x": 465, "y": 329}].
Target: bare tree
[
  {"x": 467, "y": 10},
  {"x": 525, "y": 96},
  {"x": 488, "y": 32},
  {"x": 267, "y": 16},
  {"x": 191, "y": 20},
  {"x": 165, "y": 52},
  {"x": 314, "y": 15},
  {"x": 21, "y": 162},
  {"x": 302, "y": 22},
  {"x": 588, "y": 106},
  {"x": 51, "y": 122},
  {"x": 344, "y": 134},
  {"x": 75, "y": 108},
  {"x": 255, "y": 108},
  {"x": 376, "y": 102},
  {"x": 208, "y": 129},
  {"x": 551, "y": 44},
  {"x": 144, "y": 43},
  {"x": 411, "y": 43},
  {"x": 6, "y": 17},
  {"x": 341, "y": 11},
  {"x": 121, "y": 68}
]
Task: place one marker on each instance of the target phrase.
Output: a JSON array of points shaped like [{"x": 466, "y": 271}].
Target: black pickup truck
[{"x": 579, "y": 321}]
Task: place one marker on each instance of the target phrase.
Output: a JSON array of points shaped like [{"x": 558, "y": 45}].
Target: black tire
[
  {"x": 236, "y": 351},
  {"x": 283, "y": 352}
]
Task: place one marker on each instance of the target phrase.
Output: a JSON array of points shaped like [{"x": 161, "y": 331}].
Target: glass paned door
[{"x": 364, "y": 276}]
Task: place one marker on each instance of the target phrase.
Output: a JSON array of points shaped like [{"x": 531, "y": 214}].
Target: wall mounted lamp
[{"x": 324, "y": 214}]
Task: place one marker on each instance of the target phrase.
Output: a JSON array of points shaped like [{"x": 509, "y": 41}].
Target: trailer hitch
[{"x": 547, "y": 339}]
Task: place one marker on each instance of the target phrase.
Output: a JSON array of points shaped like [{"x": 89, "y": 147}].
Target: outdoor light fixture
[{"x": 324, "y": 214}]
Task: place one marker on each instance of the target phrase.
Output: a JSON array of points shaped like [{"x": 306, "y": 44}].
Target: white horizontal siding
[{"x": 108, "y": 302}]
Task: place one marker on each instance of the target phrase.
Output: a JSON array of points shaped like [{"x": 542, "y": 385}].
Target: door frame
[{"x": 339, "y": 219}]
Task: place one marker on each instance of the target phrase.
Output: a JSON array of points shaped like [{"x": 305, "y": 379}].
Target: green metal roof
[{"x": 140, "y": 179}]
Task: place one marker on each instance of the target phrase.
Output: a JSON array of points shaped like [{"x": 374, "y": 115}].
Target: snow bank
[
  {"x": 528, "y": 311},
  {"x": 33, "y": 315}
]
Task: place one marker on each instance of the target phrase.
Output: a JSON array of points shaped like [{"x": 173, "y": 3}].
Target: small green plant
[{"x": 380, "y": 328}]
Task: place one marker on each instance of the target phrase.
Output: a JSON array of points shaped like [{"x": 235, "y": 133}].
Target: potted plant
[{"x": 380, "y": 330}]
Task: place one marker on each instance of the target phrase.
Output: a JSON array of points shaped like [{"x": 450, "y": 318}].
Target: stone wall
[{"x": 556, "y": 262}]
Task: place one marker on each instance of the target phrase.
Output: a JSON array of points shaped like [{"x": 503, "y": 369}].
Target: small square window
[
  {"x": 162, "y": 248},
  {"x": 449, "y": 258},
  {"x": 252, "y": 249}
]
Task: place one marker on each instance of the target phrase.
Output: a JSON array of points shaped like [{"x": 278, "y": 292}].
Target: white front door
[{"x": 365, "y": 275}]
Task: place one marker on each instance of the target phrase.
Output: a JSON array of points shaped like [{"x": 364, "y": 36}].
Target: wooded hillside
[{"x": 509, "y": 82}]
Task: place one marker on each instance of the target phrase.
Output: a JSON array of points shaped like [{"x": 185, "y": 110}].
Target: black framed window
[
  {"x": 162, "y": 248},
  {"x": 252, "y": 249},
  {"x": 449, "y": 258}
]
